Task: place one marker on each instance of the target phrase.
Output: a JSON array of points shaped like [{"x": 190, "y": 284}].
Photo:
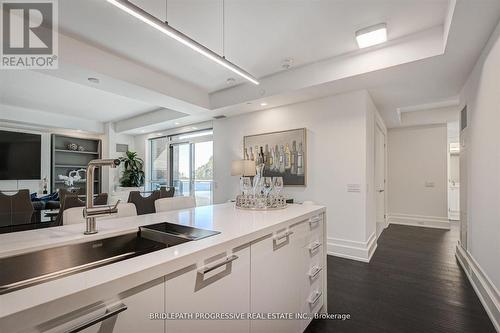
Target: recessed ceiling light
[
  {"x": 194, "y": 127},
  {"x": 177, "y": 123},
  {"x": 373, "y": 35},
  {"x": 93, "y": 80},
  {"x": 230, "y": 81},
  {"x": 159, "y": 134},
  {"x": 263, "y": 104},
  {"x": 143, "y": 131},
  {"x": 79, "y": 130}
]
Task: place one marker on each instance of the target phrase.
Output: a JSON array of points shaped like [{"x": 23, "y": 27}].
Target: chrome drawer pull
[
  {"x": 314, "y": 272},
  {"x": 208, "y": 268},
  {"x": 314, "y": 220},
  {"x": 285, "y": 235},
  {"x": 315, "y": 246},
  {"x": 98, "y": 319},
  {"x": 316, "y": 298}
]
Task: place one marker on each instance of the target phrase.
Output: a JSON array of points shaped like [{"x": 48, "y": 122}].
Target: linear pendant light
[{"x": 149, "y": 19}]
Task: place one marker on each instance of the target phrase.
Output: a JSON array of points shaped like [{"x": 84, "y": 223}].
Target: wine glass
[
  {"x": 278, "y": 185},
  {"x": 246, "y": 185},
  {"x": 268, "y": 185}
]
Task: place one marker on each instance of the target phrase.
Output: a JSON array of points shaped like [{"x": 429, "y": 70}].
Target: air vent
[{"x": 220, "y": 117}]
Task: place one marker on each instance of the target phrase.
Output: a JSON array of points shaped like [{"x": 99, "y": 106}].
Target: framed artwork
[{"x": 283, "y": 153}]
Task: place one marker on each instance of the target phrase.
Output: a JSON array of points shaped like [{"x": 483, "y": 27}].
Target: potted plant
[{"x": 132, "y": 175}]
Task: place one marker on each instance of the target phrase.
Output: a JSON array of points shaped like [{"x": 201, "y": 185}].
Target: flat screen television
[{"x": 20, "y": 155}]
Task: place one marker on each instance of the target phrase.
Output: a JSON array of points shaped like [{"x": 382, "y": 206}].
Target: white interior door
[
  {"x": 464, "y": 144},
  {"x": 380, "y": 178},
  {"x": 454, "y": 187}
]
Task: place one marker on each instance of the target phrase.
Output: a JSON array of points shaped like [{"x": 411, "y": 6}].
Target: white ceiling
[
  {"x": 141, "y": 70},
  {"x": 33, "y": 90},
  {"x": 258, "y": 34}
]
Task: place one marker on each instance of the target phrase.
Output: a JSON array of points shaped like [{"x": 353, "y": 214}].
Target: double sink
[{"x": 32, "y": 268}]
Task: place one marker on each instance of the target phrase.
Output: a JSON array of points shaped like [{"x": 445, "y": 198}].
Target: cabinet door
[
  {"x": 276, "y": 263},
  {"x": 219, "y": 284},
  {"x": 130, "y": 312},
  {"x": 141, "y": 303}
]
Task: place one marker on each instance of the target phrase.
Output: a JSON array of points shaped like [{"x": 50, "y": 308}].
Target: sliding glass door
[
  {"x": 181, "y": 168},
  {"x": 187, "y": 164},
  {"x": 203, "y": 172}
]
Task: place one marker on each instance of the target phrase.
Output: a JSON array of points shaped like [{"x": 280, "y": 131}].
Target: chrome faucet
[{"x": 90, "y": 212}]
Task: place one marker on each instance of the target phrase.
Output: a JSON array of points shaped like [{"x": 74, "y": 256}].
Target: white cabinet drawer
[
  {"x": 313, "y": 252},
  {"x": 312, "y": 299},
  {"x": 220, "y": 284},
  {"x": 315, "y": 223},
  {"x": 276, "y": 266},
  {"x": 127, "y": 313}
]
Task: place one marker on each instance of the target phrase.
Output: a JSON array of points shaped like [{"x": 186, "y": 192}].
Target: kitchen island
[{"x": 261, "y": 266}]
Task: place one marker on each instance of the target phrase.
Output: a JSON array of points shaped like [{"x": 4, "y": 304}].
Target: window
[
  {"x": 158, "y": 163},
  {"x": 184, "y": 161}
]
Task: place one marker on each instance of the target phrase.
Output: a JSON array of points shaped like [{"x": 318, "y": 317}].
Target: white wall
[
  {"x": 111, "y": 177},
  {"x": 337, "y": 141},
  {"x": 481, "y": 94},
  {"x": 417, "y": 175}
]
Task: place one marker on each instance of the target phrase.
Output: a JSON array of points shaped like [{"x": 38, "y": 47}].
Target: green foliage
[
  {"x": 205, "y": 171},
  {"x": 133, "y": 175}
]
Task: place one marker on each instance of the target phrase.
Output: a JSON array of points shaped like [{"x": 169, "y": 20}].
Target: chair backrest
[
  {"x": 72, "y": 215},
  {"x": 125, "y": 209},
  {"x": 167, "y": 192},
  {"x": 175, "y": 203},
  {"x": 72, "y": 201},
  {"x": 75, "y": 214},
  {"x": 16, "y": 209},
  {"x": 144, "y": 205}
]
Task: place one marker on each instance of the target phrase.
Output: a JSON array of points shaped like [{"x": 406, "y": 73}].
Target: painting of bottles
[{"x": 282, "y": 153}]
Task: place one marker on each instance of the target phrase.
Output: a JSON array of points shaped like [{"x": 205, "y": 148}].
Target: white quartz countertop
[{"x": 233, "y": 224}]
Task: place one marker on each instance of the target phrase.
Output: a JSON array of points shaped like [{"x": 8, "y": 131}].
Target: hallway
[{"x": 412, "y": 284}]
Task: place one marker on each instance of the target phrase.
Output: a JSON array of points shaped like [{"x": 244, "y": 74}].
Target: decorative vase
[{"x": 72, "y": 146}]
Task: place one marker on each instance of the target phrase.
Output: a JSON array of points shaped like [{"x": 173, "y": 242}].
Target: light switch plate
[{"x": 355, "y": 188}]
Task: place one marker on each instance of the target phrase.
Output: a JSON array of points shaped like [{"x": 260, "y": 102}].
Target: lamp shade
[{"x": 243, "y": 168}]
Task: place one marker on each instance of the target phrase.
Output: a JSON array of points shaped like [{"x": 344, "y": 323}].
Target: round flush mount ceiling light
[
  {"x": 230, "y": 81},
  {"x": 93, "y": 80}
]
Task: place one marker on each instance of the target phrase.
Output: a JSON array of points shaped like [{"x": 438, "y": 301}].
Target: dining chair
[
  {"x": 16, "y": 209},
  {"x": 175, "y": 203},
  {"x": 71, "y": 201},
  {"x": 167, "y": 192},
  {"x": 144, "y": 205}
]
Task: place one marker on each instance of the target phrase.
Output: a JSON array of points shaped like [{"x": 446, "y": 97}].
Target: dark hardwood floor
[{"x": 412, "y": 284}]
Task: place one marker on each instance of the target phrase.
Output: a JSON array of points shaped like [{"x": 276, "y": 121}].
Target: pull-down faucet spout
[{"x": 90, "y": 212}]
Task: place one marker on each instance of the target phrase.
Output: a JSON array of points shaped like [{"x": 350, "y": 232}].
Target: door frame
[
  {"x": 380, "y": 126},
  {"x": 171, "y": 163}
]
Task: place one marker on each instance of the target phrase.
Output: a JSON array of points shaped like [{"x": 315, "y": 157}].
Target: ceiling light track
[{"x": 159, "y": 25}]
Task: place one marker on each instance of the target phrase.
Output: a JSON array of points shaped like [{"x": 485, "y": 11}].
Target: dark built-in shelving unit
[{"x": 64, "y": 160}]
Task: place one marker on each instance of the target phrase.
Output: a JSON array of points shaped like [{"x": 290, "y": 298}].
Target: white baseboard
[
  {"x": 488, "y": 294},
  {"x": 420, "y": 221},
  {"x": 361, "y": 251}
]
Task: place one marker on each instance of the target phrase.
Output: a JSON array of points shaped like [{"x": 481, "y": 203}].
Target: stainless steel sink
[
  {"x": 32, "y": 268},
  {"x": 182, "y": 231}
]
